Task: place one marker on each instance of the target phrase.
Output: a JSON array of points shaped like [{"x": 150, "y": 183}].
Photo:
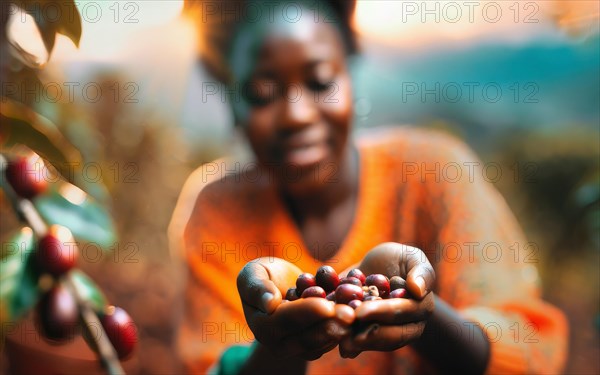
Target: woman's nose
[{"x": 298, "y": 107}]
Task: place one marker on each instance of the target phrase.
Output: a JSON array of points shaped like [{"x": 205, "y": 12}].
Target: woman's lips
[
  {"x": 305, "y": 148},
  {"x": 304, "y": 156}
]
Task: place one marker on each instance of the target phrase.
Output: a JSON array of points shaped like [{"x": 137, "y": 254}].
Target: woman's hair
[{"x": 218, "y": 20}]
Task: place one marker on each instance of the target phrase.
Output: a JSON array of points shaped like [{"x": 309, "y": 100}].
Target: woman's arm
[
  {"x": 486, "y": 274},
  {"x": 489, "y": 315},
  {"x": 453, "y": 343}
]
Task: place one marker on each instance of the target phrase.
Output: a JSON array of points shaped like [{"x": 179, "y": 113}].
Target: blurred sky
[
  {"x": 111, "y": 27},
  {"x": 545, "y": 51}
]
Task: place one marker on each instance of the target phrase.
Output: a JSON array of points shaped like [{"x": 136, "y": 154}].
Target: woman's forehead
[
  {"x": 310, "y": 47},
  {"x": 256, "y": 42}
]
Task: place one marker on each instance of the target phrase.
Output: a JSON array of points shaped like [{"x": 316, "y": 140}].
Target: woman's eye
[
  {"x": 317, "y": 85},
  {"x": 259, "y": 94},
  {"x": 321, "y": 77}
]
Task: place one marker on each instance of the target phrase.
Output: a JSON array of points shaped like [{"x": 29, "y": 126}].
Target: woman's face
[{"x": 298, "y": 102}]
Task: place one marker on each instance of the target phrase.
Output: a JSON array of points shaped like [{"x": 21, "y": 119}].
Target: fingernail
[
  {"x": 266, "y": 299},
  {"x": 420, "y": 281}
]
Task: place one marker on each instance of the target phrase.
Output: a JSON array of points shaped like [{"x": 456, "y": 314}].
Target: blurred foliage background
[{"x": 133, "y": 100}]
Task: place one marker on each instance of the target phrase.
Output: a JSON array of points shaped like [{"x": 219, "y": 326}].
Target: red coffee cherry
[
  {"x": 381, "y": 282},
  {"x": 355, "y": 272},
  {"x": 304, "y": 281},
  {"x": 27, "y": 175},
  {"x": 57, "y": 252},
  {"x": 348, "y": 292},
  {"x": 399, "y": 293},
  {"x": 327, "y": 278},
  {"x": 314, "y": 291},
  {"x": 58, "y": 314},
  {"x": 120, "y": 329},
  {"x": 351, "y": 280},
  {"x": 331, "y": 297},
  {"x": 355, "y": 303},
  {"x": 291, "y": 295},
  {"x": 396, "y": 282}
]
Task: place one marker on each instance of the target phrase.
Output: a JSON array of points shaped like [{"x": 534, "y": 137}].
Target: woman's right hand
[{"x": 306, "y": 328}]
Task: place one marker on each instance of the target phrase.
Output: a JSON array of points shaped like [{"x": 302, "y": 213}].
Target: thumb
[
  {"x": 256, "y": 288},
  {"x": 420, "y": 279}
]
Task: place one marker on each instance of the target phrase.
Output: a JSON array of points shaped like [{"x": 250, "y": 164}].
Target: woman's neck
[
  {"x": 324, "y": 218},
  {"x": 339, "y": 186}
]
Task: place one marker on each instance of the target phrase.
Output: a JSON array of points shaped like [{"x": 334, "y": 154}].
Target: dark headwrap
[{"x": 218, "y": 20}]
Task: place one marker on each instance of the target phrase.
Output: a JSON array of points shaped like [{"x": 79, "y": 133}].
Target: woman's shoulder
[
  {"x": 213, "y": 186},
  {"x": 413, "y": 144}
]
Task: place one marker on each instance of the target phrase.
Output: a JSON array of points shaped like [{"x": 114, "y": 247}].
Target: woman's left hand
[{"x": 390, "y": 324}]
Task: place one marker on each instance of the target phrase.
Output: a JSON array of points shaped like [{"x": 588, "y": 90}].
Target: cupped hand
[
  {"x": 389, "y": 324},
  {"x": 305, "y": 328}
]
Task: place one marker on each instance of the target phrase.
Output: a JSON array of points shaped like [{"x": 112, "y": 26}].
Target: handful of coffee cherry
[{"x": 352, "y": 290}]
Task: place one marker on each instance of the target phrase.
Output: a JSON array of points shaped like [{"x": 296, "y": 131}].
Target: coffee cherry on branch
[
  {"x": 304, "y": 281},
  {"x": 27, "y": 175},
  {"x": 355, "y": 272},
  {"x": 351, "y": 280},
  {"x": 399, "y": 293},
  {"x": 348, "y": 292},
  {"x": 396, "y": 282},
  {"x": 120, "y": 329},
  {"x": 327, "y": 278},
  {"x": 314, "y": 291},
  {"x": 57, "y": 252},
  {"x": 58, "y": 314},
  {"x": 291, "y": 295},
  {"x": 381, "y": 282}
]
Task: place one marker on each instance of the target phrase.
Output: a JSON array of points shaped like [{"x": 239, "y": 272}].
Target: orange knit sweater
[{"x": 417, "y": 187}]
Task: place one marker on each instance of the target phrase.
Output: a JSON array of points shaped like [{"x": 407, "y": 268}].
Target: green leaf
[
  {"x": 67, "y": 205},
  {"x": 21, "y": 125},
  {"x": 88, "y": 290},
  {"x": 19, "y": 290},
  {"x": 70, "y": 26},
  {"x": 48, "y": 32}
]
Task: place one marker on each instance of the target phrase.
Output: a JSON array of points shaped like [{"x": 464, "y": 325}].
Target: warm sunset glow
[
  {"x": 418, "y": 24},
  {"x": 26, "y": 39},
  {"x": 110, "y": 27}
]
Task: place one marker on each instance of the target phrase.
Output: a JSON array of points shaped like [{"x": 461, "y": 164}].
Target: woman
[{"x": 315, "y": 196}]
